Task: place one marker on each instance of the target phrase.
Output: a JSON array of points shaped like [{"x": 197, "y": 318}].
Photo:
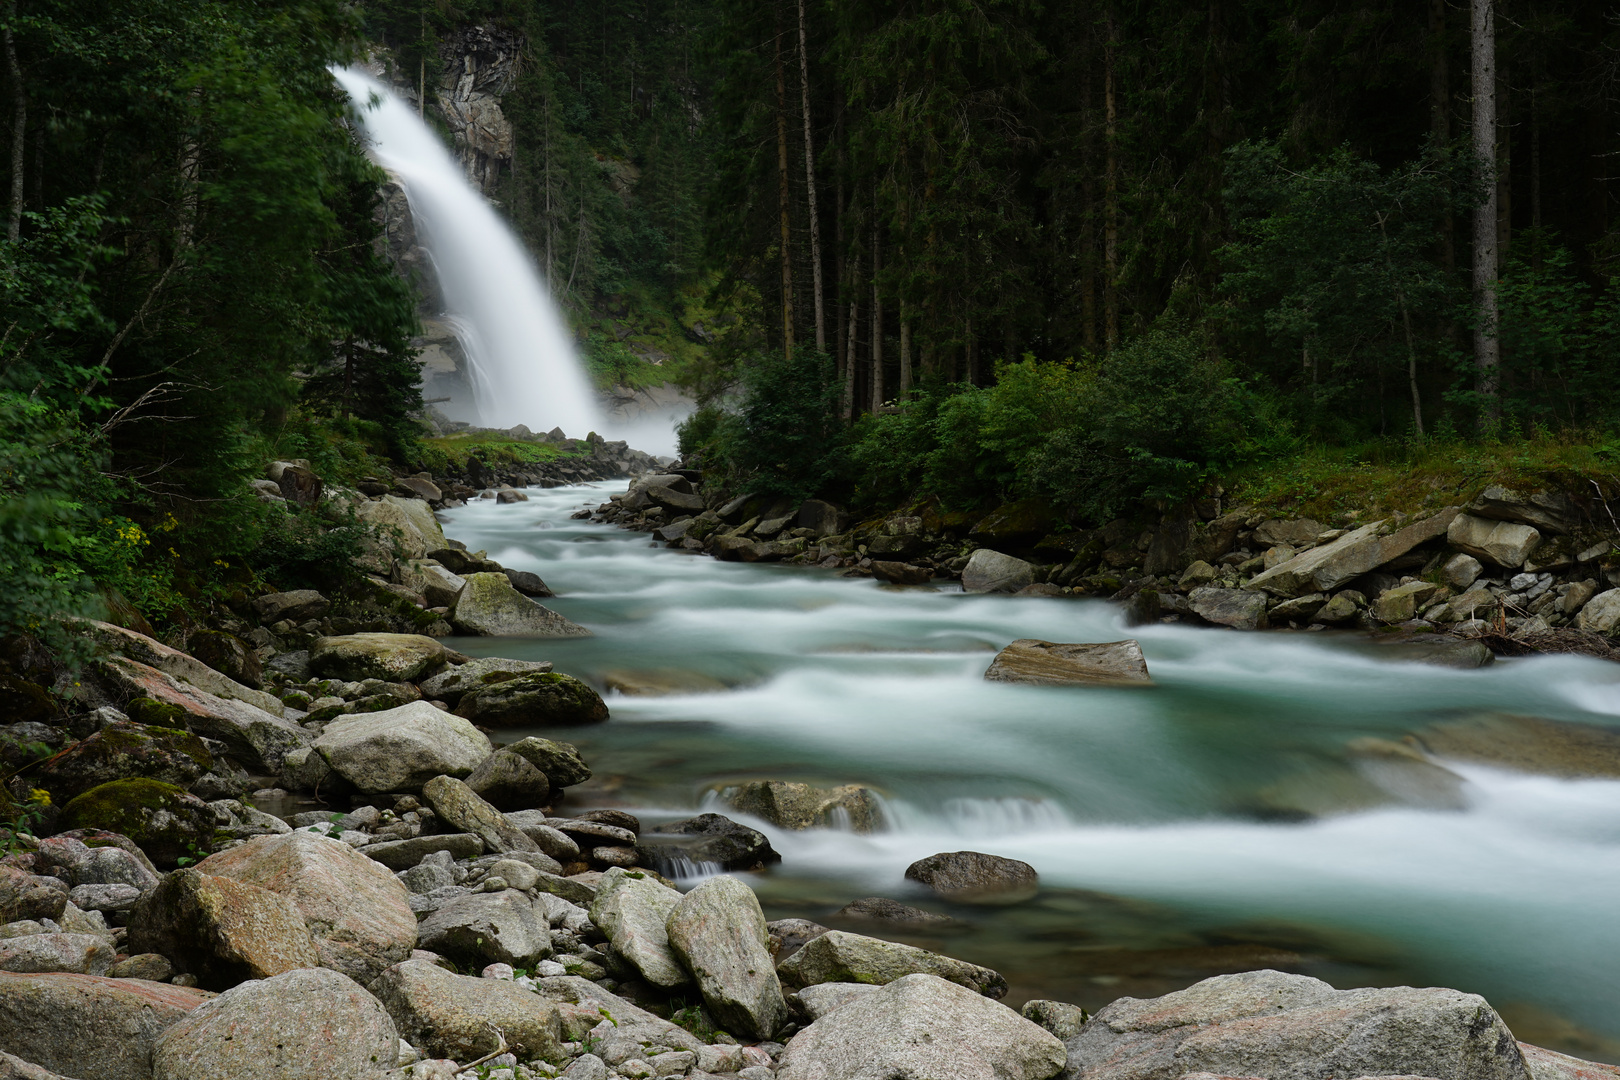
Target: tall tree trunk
[
  {"x": 838, "y": 221},
  {"x": 810, "y": 187},
  {"x": 1535, "y": 177},
  {"x": 782, "y": 200},
  {"x": 190, "y": 172},
  {"x": 19, "y": 127},
  {"x": 1406, "y": 324},
  {"x": 905, "y": 349},
  {"x": 877, "y": 317},
  {"x": 1487, "y": 349},
  {"x": 1111, "y": 191},
  {"x": 1504, "y": 167},
  {"x": 847, "y": 401}
]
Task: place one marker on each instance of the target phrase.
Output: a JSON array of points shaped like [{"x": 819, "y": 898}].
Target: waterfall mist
[{"x": 525, "y": 370}]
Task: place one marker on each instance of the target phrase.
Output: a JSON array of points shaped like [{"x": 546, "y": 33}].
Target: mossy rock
[
  {"x": 163, "y": 820},
  {"x": 543, "y": 700},
  {"x": 1018, "y": 523},
  {"x": 154, "y": 713},
  {"x": 122, "y": 750},
  {"x": 229, "y": 655},
  {"x": 24, "y": 702}
]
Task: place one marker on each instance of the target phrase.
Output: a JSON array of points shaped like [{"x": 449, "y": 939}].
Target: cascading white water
[{"x": 526, "y": 369}]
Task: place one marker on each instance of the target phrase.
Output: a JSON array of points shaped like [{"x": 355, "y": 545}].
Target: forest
[{"x": 974, "y": 250}]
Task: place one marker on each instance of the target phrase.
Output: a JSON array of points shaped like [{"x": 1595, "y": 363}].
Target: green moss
[{"x": 154, "y": 713}]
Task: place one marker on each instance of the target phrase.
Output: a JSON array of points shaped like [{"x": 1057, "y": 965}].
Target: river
[{"x": 1163, "y": 822}]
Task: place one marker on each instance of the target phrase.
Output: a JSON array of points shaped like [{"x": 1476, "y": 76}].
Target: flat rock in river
[
  {"x": 837, "y": 956},
  {"x": 975, "y": 876},
  {"x": 1528, "y": 744},
  {"x": 1031, "y": 660},
  {"x": 793, "y": 805}
]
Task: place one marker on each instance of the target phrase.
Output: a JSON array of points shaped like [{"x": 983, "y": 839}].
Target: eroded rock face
[
  {"x": 540, "y": 700},
  {"x": 449, "y": 1015},
  {"x": 632, "y": 910},
  {"x": 799, "y": 806},
  {"x": 489, "y": 605},
  {"x": 922, "y": 1026},
  {"x": 990, "y": 571},
  {"x": 973, "y": 875},
  {"x": 87, "y": 1026},
  {"x": 358, "y": 913},
  {"x": 1292, "y": 1027},
  {"x": 401, "y": 749},
  {"x": 837, "y": 956},
  {"x": 1047, "y": 663},
  {"x": 1323, "y": 569},
  {"x": 221, "y": 930},
  {"x": 309, "y": 1024},
  {"x": 718, "y": 932}
]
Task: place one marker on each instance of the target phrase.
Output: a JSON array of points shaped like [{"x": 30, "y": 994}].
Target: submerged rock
[
  {"x": 1528, "y": 744},
  {"x": 883, "y": 910},
  {"x": 720, "y": 841},
  {"x": 837, "y": 956},
  {"x": 1047, "y": 663},
  {"x": 799, "y": 806},
  {"x": 489, "y": 605},
  {"x": 975, "y": 876}
]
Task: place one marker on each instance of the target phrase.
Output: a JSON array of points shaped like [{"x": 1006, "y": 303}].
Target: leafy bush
[{"x": 783, "y": 436}]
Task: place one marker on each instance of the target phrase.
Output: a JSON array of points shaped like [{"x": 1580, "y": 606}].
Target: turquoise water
[{"x": 1161, "y": 821}]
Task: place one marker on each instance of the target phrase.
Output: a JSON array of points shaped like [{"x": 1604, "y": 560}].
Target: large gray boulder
[
  {"x": 358, "y": 913},
  {"x": 88, "y": 1027},
  {"x": 1601, "y": 614},
  {"x": 797, "y": 806},
  {"x": 1324, "y": 569},
  {"x": 489, "y": 928},
  {"x": 404, "y": 854},
  {"x": 990, "y": 571},
  {"x": 409, "y": 521},
  {"x": 1241, "y": 609},
  {"x": 1549, "y": 511},
  {"x": 462, "y": 809},
  {"x": 77, "y": 863},
  {"x": 560, "y": 761},
  {"x": 389, "y": 657},
  {"x": 726, "y": 844},
  {"x": 81, "y": 954},
  {"x": 489, "y": 605},
  {"x": 629, "y": 1020},
  {"x": 507, "y": 781},
  {"x": 311, "y": 1024},
  {"x": 449, "y": 684},
  {"x": 450, "y": 1015},
  {"x": 633, "y": 911},
  {"x": 401, "y": 749},
  {"x": 975, "y": 876},
  {"x": 922, "y": 1026},
  {"x": 221, "y": 930},
  {"x": 550, "y": 699},
  {"x": 177, "y": 665},
  {"x": 718, "y": 932},
  {"x": 837, "y": 956},
  {"x": 1048, "y": 663},
  {"x": 1504, "y": 543},
  {"x": 1293, "y": 1027}
]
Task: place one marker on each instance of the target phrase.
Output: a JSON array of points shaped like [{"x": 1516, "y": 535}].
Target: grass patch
[{"x": 450, "y": 452}]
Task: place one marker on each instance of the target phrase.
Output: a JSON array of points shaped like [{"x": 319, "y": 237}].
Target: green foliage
[{"x": 782, "y": 438}]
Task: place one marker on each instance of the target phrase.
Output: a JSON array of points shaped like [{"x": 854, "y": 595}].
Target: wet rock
[
  {"x": 1601, "y": 614},
  {"x": 660, "y": 683},
  {"x": 718, "y": 932},
  {"x": 508, "y": 782},
  {"x": 450, "y": 1015},
  {"x": 358, "y": 913},
  {"x": 528, "y": 584},
  {"x": 1031, "y": 660},
  {"x": 86, "y": 1026},
  {"x": 1292, "y": 1026},
  {"x": 1528, "y": 744},
  {"x": 837, "y": 956},
  {"x": 1241, "y": 609},
  {"x": 82, "y": 954},
  {"x": 220, "y": 930},
  {"x": 920, "y": 1026},
  {"x": 900, "y": 573},
  {"x": 975, "y": 876},
  {"x": 800, "y": 806},
  {"x": 404, "y": 854},
  {"x": 297, "y": 606},
  {"x": 165, "y": 821},
  {"x": 542, "y": 700},
  {"x": 461, "y": 808},
  {"x": 882, "y": 910},
  {"x": 632, "y": 910},
  {"x": 990, "y": 571},
  {"x": 489, "y": 928},
  {"x": 389, "y": 657},
  {"x": 1323, "y": 569},
  {"x": 310, "y": 1024},
  {"x": 401, "y": 749},
  {"x": 121, "y": 750},
  {"x": 452, "y": 682},
  {"x": 490, "y": 606},
  {"x": 26, "y": 896},
  {"x": 411, "y": 520},
  {"x": 721, "y": 841},
  {"x": 788, "y": 936},
  {"x": 1504, "y": 543},
  {"x": 560, "y": 761},
  {"x": 1060, "y": 1018}
]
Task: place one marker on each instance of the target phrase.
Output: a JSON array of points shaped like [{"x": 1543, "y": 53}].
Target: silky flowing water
[{"x": 1151, "y": 815}]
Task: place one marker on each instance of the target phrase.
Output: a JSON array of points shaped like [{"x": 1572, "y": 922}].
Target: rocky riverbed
[{"x": 452, "y": 907}]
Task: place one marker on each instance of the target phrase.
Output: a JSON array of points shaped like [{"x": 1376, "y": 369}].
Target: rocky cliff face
[{"x": 476, "y": 66}]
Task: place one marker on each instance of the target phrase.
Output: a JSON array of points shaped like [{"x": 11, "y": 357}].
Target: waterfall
[{"x": 524, "y": 367}]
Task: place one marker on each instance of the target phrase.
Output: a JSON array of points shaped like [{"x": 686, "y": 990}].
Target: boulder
[
  {"x": 310, "y": 1024},
  {"x": 1047, "y": 663},
  {"x": 104, "y": 898},
  {"x": 632, "y": 910},
  {"x": 229, "y": 655},
  {"x": 453, "y": 682},
  {"x": 1299, "y": 609},
  {"x": 358, "y": 913},
  {"x": 548, "y": 699},
  {"x": 258, "y": 738},
  {"x": 819, "y": 1000},
  {"x": 1601, "y": 614},
  {"x": 221, "y": 930},
  {"x": 721, "y": 842},
  {"x": 1241, "y": 609},
  {"x": 1549, "y": 511},
  {"x": 166, "y": 822},
  {"x": 176, "y": 664},
  {"x": 15, "y": 1068},
  {"x": 1403, "y": 602},
  {"x": 879, "y": 909},
  {"x": 489, "y": 928},
  {"x": 82, "y": 954},
  {"x": 1299, "y": 532},
  {"x": 901, "y": 573},
  {"x": 299, "y": 485},
  {"x": 821, "y": 518},
  {"x": 1323, "y": 569},
  {"x": 409, "y": 522},
  {"x": 837, "y": 956},
  {"x": 1550, "y": 1065},
  {"x": 527, "y": 583},
  {"x": 450, "y": 1016},
  {"x": 973, "y": 875},
  {"x": 389, "y": 657},
  {"x": 508, "y": 782},
  {"x": 636, "y": 1024},
  {"x": 799, "y": 806},
  {"x": 1461, "y": 571},
  {"x": 94, "y": 857},
  {"x": 26, "y": 896},
  {"x": 297, "y": 606},
  {"x": 399, "y": 855},
  {"x": 87, "y": 1026},
  {"x": 718, "y": 931},
  {"x": 1293, "y": 1027},
  {"x": 1058, "y": 1017},
  {"x": 560, "y": 761},
  {"x": 490, "y": 606},
  {"x": 123, "y": 750},
  {"x": 1504, "y": 543},
  {"x": 990, "y": 571},
  {"x": 922, "y": 1026},
  {"x": 461, "y": 808},
  {"x": 401, "y": 749}
]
